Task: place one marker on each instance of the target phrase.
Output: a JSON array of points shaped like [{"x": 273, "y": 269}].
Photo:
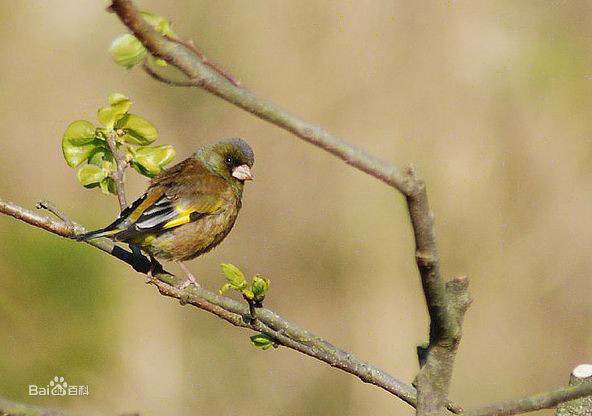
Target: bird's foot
[
  {"x": 190, "y": 277},
  {"x": 155, "y": 267}
]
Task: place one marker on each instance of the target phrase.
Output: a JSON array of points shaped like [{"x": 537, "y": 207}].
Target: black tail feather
[{"x": 92, "y": 235}]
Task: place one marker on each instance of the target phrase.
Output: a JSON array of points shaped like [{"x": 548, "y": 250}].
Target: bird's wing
[{"x": 173, "y": 200}]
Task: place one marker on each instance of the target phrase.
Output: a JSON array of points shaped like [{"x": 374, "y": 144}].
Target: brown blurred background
[{"x": 491, "y": 100}]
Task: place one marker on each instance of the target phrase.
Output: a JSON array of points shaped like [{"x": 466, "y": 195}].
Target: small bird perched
[{"x": 188, "y": 209}]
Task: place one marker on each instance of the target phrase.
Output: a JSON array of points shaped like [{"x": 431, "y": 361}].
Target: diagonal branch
[
  {"x": 434, "y": 378},
  {"x": 268, "y": 322},
  {"x": 185, "y": 59}
]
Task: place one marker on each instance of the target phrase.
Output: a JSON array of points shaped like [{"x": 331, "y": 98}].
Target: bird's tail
[{"x": 103, "y": 232}]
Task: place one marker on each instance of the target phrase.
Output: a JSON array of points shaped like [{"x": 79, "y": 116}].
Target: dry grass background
[{"x": 491, "y": 100}]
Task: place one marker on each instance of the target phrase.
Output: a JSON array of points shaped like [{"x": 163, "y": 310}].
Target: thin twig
[
  {"x": 146, "y": 67},
  {"x": 120, "y": 165},
  {"x": 539, "y": 401},
  {"x": 237, "y": 313},
  {"x": 51, "y": 207},
  {"x": 205, "y": 60}
]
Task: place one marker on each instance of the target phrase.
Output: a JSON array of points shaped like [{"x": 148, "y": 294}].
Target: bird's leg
[
  {"x": 190, "y": 277},
  {"x": 155, "y": 266},
  {"x": 136, "y": 250}
]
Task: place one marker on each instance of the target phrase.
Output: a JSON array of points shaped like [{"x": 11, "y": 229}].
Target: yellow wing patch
[
  {"x": 183, "y": 218},
  {"x": 204, "y": 206}
]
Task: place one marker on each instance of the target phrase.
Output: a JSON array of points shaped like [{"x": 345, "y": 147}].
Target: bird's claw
[
  {"x": 188, "y": 282},
  {"x": 190, "y": 278},
  {"x": 154, "y": 267},
  {"x": 151, "y": 279}
]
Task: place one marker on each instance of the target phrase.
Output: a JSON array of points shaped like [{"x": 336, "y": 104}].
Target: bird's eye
[{"x": 229, "y": 160}]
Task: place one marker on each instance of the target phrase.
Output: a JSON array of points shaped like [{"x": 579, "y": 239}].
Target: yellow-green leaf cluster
[
  {"x": 255, "y": 290},
  {"x": 85, "y": 146}
]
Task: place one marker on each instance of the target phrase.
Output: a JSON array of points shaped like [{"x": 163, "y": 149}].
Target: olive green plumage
[{"x": 188, "y": 209}]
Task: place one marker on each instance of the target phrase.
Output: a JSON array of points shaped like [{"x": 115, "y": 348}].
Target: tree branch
[
  {"x": 580, "y": 376},
  {"x": 446, "y": 303},
  {"x": 175, "y": 83},
  {"x": 206, "y": 61},
  {"x": 545, "y": 400},
  {"x": 203, "y": 75},
  {"x": 120, "y": 165},
  {"x": 232, "y": 311}
]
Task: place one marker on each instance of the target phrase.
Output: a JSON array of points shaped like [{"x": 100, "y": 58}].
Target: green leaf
[
  {"x": 262, "y": 341},
  {"x": 127, "y": 50},
  {"x": 108, "y": 116},
  {"x": 108, "y": 186},
  {"x": 137, "y": 130},
  {"x": 90, "y": 175},
  {"x": 78, "y": 142},
  {"x": 234, "y": 276},
  {"x": 100, "y": 155},
  {"x": 260, "y": 286},
  {"x": 159, "y": 23},
  {"x": 149, "y": 161}
]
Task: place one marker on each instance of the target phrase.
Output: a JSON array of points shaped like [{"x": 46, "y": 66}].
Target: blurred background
[{"x": 490, "y": 100}]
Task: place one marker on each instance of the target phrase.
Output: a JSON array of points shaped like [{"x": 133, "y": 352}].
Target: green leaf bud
[{"x": 127, "y": 50}]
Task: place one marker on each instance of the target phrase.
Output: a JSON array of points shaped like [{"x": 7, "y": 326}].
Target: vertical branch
[
  {"x": 446, "y": 305},
  {"x": 120, "y": 165}
]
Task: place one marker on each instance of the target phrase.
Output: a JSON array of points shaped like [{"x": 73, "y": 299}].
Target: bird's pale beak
[{"x": 242, "y": 173}]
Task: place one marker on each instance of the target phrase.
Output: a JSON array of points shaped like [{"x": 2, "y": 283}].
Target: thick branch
[
  {"x": 446, "y": 305},
  {"x": 237, "y": 313}
]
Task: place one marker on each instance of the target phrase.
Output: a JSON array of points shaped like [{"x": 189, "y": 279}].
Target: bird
[{"x": 188, "y": 209}]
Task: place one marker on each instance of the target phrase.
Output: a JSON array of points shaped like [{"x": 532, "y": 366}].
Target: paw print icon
[{"x": 58, "y": 386}]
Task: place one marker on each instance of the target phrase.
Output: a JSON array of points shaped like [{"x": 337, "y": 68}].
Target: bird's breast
[{"x": 195, "y": 238}]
